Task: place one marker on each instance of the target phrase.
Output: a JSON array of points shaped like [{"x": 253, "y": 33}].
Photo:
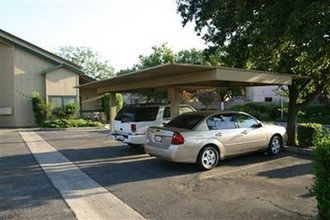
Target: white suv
[{"x": 132, "y": 121}]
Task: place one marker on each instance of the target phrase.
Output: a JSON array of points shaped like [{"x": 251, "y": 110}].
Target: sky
[{"x": 119, "y": 30}]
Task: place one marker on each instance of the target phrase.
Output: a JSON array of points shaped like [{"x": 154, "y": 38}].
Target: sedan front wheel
[{"x": 208, "y": 158}]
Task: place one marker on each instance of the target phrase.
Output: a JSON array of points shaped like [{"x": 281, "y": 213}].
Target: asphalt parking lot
[{"x": 249, "y": 187}]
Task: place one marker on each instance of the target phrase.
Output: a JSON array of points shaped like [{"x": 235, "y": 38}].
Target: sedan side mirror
[{"x": 259, "y": 125}]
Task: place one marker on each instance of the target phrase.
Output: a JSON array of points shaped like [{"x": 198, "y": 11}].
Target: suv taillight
[
  {"x": 133, "y": 127},
  {"x": 177, "y": 138}
]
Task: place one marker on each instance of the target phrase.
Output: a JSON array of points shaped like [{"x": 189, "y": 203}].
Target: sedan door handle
[{"x": 218, "y": 134}]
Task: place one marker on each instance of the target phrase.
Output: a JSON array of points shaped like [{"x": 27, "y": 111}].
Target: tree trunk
[{"x": 292, "y": 115}]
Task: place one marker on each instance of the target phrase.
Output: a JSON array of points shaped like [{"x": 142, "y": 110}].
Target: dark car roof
[{"x": 151, "y": 105}]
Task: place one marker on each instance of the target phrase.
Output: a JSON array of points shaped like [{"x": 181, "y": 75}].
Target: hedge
[
  {"x": 262, "y": 111},
  {"x": 306, "y": 132},
  {"x": 318, "y": 113},
  {"x": 69, "y": 123},
  {"x": 321, "y": 163}
]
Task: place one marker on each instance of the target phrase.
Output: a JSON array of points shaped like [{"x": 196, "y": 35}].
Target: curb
[
  {"x": 298, "y": 150},
  {"x": 74, "y": 128}
]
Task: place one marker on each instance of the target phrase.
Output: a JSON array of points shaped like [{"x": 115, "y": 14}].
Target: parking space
[
  {"x": 25, "y": 191},
  {"x": 254, "y": 186}
]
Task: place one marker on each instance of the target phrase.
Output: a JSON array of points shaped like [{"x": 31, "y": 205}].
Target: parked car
[
  {"x": 132, "y": 121},
  {"x": 207, "y": 137}
]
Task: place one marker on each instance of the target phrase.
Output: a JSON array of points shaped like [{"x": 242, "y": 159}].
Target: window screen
[{"x": 58, "y": 101}]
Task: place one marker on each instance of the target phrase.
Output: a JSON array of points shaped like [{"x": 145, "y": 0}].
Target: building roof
[
  {"x": 187, "y": 76},
  {"x": 10, "y": 39}
]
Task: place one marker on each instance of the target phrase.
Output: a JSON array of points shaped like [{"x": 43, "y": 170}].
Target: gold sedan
[{"x": 207, "y": 137}]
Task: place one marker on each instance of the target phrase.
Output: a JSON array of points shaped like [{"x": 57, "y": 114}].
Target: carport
[{"x": 173, "y": 78}]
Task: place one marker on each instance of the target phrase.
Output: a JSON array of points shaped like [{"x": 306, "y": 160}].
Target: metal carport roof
[
  {"x": 187, "y": 76},
  {"x": 176, "y": 77}
]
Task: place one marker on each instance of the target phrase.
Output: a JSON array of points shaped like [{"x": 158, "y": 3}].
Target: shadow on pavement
[
  {"x": 287, "y": 172},
  {"x": 23, "y": 183},
  {"x": 25, "y": 190}
]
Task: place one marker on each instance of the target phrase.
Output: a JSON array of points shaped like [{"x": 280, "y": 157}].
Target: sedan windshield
[{"x": 186, "y": 121}]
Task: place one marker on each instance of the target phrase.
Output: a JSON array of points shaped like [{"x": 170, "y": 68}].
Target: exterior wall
[
  {"x": 61, "y": 82},
  {"x": 7, "y": 93},
  {"x": 20, "y": 76},
  {"x": 28, "y": 79},
  {"x": 89, "y": 100},
  {"x": 259, "y": 93}
]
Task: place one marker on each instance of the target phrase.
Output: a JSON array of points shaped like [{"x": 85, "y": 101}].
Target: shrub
[
  {"x": 321, "y": 163},
  {"x": 69, "y": 123},
  {"x": 40, "y": 108},
  {"x": 106, "y": 104},
  {"x": 57, "y": 123},
  {"x": 71, "y": 109},
  {"x": 306, "y": 132},
  {"x": 66, "y": 111},
  {"x": 93, "y": 124},
  {"x": 59, "y": 112},
  {"x": 77, "y": 122}
]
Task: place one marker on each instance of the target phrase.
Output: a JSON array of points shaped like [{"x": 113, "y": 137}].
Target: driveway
[{"x": 249, "y": 187}]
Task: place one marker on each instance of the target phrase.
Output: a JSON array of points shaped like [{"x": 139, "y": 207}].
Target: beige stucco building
[{"x": 26, "y": 68}]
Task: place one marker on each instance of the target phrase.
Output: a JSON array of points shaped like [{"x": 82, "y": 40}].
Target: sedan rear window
[
  {"x": 135, "y": 114},
  {"x": 185, "y": 121}
]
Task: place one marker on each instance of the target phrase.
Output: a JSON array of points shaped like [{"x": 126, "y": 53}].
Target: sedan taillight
[{"x": 177, "y": 138}]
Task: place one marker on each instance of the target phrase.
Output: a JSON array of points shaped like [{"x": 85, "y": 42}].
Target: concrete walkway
[{"x": 85, "y": 197}]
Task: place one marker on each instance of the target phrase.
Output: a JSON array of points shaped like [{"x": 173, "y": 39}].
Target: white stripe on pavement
[{"x": 85, "y": 197}]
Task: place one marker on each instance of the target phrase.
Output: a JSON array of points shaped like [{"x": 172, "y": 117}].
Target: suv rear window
[
  {"x": 135, "y": 114},
  {"x": 186, "y": 121}
]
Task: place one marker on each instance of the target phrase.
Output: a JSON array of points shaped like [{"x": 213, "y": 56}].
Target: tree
[
  {"x": 90, "y": 61},
  {"x": 161, "y": 55},
  {"x": 281, "y": 36},
  {"x": 206, "y": 97}
]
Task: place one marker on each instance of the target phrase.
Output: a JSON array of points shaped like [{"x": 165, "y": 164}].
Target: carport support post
[
  {"x": 174, "y": 96},
  {"x": 112, "y": 109}
]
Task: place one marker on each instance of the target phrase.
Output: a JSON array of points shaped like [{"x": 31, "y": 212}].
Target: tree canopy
[
  {"x": 281, "y": 36},
  {"x": 90, "y": 61},
  {"x": 163, "y": 54}
]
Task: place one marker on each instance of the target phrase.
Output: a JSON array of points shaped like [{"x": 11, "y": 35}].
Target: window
[
  {"x": 185, "y": 121},
  {"x": 167, "y": 113},
  {"x": 136, "y": 114},
  {"x": 58, "y": 101},
  {"x": 183, "y": 109},
  {"x": 218, "y": 122},
  {"x": 245, "y": 121}
]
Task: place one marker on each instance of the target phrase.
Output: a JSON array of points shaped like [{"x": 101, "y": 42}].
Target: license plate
[{"x": 158, "y": 138}]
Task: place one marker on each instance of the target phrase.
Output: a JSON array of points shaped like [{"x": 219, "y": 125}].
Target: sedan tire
[
  {"x": 274, "y": 146},
  {"x": 208, "y": 158}
]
